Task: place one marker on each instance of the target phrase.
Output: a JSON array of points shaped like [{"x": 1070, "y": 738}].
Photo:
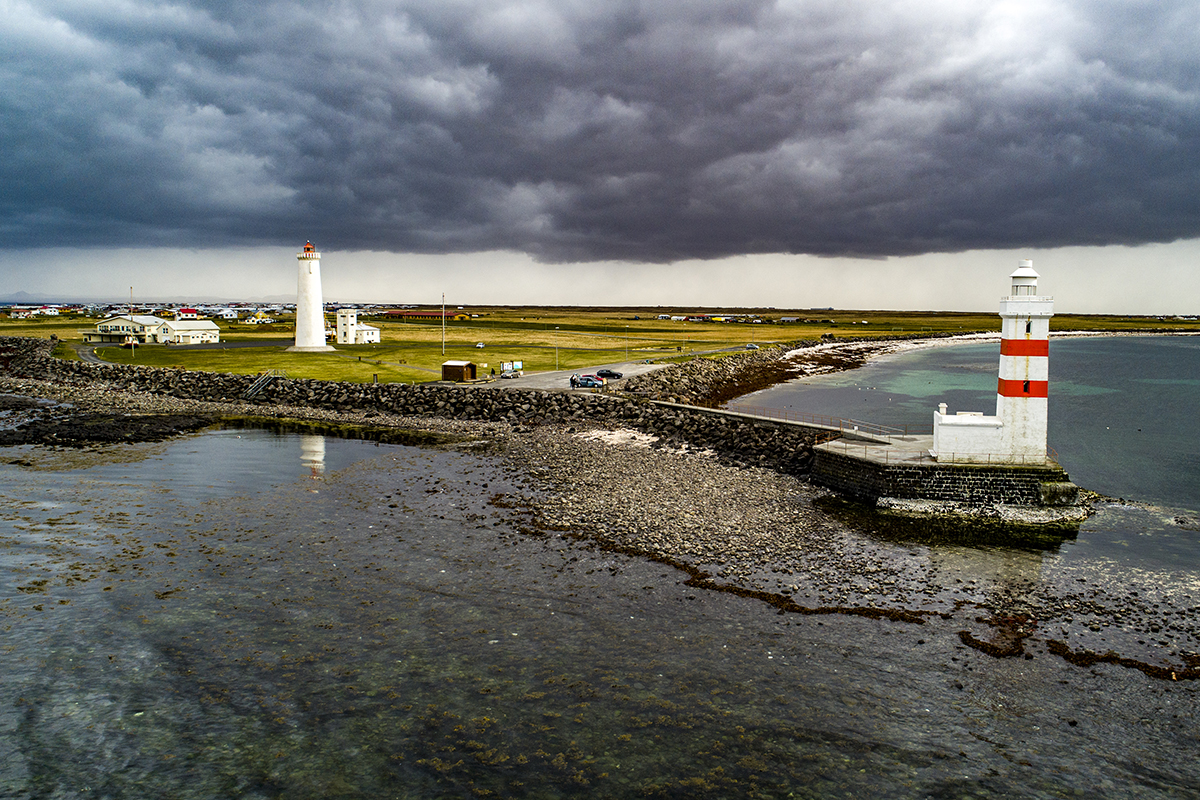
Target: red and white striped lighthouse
[
  {"x": 1018, "y": 431},
  {"x": 1023, "y": 389}
]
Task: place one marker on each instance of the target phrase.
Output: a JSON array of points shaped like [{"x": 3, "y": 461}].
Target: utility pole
[{"x": 443, "y": 323}]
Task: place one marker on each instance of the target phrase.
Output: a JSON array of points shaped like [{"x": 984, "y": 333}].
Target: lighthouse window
[
  {"x": 1029, "y": 326},
  {"x": 1026, "y": 387}
]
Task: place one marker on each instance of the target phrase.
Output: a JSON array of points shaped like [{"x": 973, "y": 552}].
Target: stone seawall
[
  {"x": 734, "y": 439},
  {"x": 974, "y": 485}
]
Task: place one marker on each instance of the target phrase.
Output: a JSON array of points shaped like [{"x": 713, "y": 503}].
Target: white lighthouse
[
  {"x": 310, "y": 306},
  {"x": 1018, "y": 431},
  {"x": 1023, "y": 388}
]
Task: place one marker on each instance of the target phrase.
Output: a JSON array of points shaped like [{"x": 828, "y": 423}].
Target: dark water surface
[{"x": 245, "y": 614}]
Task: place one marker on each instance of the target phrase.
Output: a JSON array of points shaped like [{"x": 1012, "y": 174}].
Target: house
[
  {"x": 258, "y": 319},
  {"x": 124, "y": 328},
  {"x": 186, "y": 313},
  {"x": 189, "y": 331},
  {"x": 458, "y": 371},
  {"x": 351, "y": 331}
]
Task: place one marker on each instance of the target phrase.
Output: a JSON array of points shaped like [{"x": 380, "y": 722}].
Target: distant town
[{"x": 266, "y": 313}]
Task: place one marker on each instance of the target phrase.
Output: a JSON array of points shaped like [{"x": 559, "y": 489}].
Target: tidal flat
[{"x": 269, "y": 614}]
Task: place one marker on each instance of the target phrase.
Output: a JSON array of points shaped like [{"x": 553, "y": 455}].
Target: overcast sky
[{"x": 577, "y": 152}]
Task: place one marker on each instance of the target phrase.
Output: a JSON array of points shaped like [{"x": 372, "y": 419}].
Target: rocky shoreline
[{"x": 644, "y": 483}]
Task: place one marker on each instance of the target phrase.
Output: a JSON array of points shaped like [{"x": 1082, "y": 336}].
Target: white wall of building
[{"x": 347, "y": 321}]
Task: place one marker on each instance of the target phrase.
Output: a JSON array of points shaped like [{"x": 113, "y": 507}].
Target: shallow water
[{"x": 257, "y": 615}]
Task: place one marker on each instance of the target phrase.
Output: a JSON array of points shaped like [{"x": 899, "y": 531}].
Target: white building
[
  {"x": 125, "y": 327},
  {"x": 1017, "y": 434},
  {"x": 351, "y": 331},
  {"x": 146, "y": 329},
  {"x": 310, "y": 307},
  {"x": 189, "y": 331}
]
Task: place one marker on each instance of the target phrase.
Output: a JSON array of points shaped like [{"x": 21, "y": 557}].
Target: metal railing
[
  {"x": 886, "y": 454},
  {"x": 881, "y": 453},
  {"x": 839, "y": 423},
  {"x": 261, "y": 382}
]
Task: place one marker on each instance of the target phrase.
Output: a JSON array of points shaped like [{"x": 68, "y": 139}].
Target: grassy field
[{"x": 543, "y": 338}]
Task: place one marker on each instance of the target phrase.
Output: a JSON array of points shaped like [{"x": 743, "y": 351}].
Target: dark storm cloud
[{"x": 584, "y": 130}]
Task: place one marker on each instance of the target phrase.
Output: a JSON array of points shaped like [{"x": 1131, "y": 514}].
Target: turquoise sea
[{"x": 248, "y": 614}]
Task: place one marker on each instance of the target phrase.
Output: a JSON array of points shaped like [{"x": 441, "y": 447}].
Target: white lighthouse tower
[
  {"x": 310, "y": 306},
  {"x": 1023, "y": 388},
  {"x": 1017, "y": 433}
]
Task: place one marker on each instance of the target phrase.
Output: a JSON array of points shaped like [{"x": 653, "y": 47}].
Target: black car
[{"x": 608, "y": 374}]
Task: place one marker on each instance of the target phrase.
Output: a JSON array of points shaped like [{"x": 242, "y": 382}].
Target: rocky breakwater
[
  {"x": 713, "y": 381},
  {"x": 735, "y": 441}
]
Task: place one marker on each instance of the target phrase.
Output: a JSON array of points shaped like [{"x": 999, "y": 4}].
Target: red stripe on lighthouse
[
  {"x": 1009, "y": 388},
  {"x": 1024, "y": 347}
]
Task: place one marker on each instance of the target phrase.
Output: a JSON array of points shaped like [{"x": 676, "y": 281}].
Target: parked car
[
  {"x": 609, "y": 374},
  {"x": 589, "y": 382},
  {"x": 508, "y": 373}
]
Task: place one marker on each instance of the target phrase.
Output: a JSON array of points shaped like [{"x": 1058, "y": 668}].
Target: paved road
[{"x": 87, "y": 352}]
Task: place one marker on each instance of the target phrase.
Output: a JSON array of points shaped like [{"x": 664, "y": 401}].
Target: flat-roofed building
[
  {"x": 458, "y": 371},
  {"x": 351, "y": 331}
]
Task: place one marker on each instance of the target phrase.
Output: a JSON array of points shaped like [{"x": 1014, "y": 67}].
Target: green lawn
[{"x": 392, "y": 363}]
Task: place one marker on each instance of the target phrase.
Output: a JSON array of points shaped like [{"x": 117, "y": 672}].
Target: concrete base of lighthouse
[
  {"x": 898, "y": 474},
  {"x": 321, "y": 349}
]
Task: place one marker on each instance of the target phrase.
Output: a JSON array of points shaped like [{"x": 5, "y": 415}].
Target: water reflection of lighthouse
[{"x": 312, "y": 454}]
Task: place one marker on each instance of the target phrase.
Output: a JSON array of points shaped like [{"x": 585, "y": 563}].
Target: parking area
[{"x": 560, "y": 379}]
